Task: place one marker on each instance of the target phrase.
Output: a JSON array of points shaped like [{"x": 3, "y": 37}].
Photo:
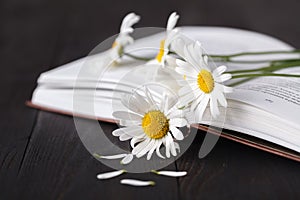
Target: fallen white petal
[
  {"x": 108, "y": 175},
  {"x": 117, "y": 156},
  {"x": 134, "y": 182},
  {"x": 170, "y": 173}
]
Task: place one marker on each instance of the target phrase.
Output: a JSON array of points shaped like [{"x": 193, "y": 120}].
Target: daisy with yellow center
[
  {"x": 124, "y": 38},
  {"x": 165, "y": 44},
  {"x": 201, "y": 85},
  {"x": 150, "y": 124}
]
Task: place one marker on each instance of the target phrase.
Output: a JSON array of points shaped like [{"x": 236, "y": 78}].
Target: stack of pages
[{"x": 263, "y": 113}]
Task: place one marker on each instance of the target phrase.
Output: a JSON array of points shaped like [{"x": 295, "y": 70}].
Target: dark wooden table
[{"x": 41, "y": 156}]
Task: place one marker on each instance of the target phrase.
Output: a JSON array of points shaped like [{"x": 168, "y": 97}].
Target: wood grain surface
[{"x": 41, "y": 155}]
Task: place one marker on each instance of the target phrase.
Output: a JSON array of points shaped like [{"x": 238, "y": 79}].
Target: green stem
[
  {"x": 268, "y": 68},
  {"x": 255, "y": 61},
  {"x": 226, "y": 57},
  {"x": 136, "y": 57},
  {"x": 265, "y": 74},
  {"x": 240, "y": 82}
]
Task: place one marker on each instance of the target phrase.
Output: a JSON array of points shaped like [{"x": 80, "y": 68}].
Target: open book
[{"x": 263, "y": 112}]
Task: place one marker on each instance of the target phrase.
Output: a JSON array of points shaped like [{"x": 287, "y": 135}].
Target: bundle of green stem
[{"x": 268, "y": 70}]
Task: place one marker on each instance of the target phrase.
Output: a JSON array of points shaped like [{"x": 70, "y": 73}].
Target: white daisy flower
[
  {"x": 171, "y": 35},
  {"x": 201, "y": 84},
  {"x": 124, "y": 38},
  {"x": 150, "y": 124}
]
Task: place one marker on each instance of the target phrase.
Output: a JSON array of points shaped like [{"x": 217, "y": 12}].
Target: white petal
[
  {"x": 164, "y": 98},
  {"x": 108, "y": 175},
  {"x": 175, "y": 113},
  {"x": 201, "y": 108},
  {"x": 187, "y": 81},
  {"x": 129, "y": 123},
  {"x": 118, "y": 132},
  {"x": 125, "y": 137},
  {"x": 127, "y": 116},
  {"x": 205, "y": 58},
  {"x": 198, "y": 54},
  {"x": 172, "y": 21},
  {"x": 223, "y": 78},
  {"x": 177, "y": 146},
  {"x": 214, "y": 109},
  {"x": 185, "y": 90},
  {"x": 135, "y": 133},
  {"x": 136, "y": 140},
  {"x": 131, "y": 130},
  {"x": 123, "y": 40},
  {"x": 149, "y": 155},
  {"x": 190, "y": 117},
  {"x": 171, "y": 36},
  {"x": 197, "y": 101},
  {"x": 117, "y": 156},
  {"x": 127, "y": 23},
  {"x": 170, "y": 173},
  {"x": 179, "y": 43},
  {"x": 178, "y": 122},
  {"x": 141, "y": 102},
  {"x": 136, "y": 103},
  {"x": 157, "y": 149},
  {"x": 185, "y": 100},
  {"x": 187, "y": 70},
  {"x": 145, "y": 150},
  {"x": 168, "y": 104},
  {"x": 150, "y": 98},
  {"x": 131, "y": 106},
  {"x": 223, "y": 88},
  {"x": 221, "y": 99},
  {"x": 140, "y": 146},
  {"x": 127, "y": 159},
  {"x": 172, "y": 148},
  {"x": 188, "y": 53},
  {"x": 219, "y": 70},
  {"x": 182, "y": 64},
  {"x": 168, "y": 146},
  {"x": 171, "y": 61},
  {"x": 176, "y": 133},
  {"x": 134, "y": 182}
]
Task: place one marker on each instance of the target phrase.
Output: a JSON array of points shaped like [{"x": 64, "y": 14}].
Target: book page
[{"x": 277, "y": 95}]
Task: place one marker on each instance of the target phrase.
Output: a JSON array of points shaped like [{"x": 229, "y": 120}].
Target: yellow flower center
[
  {"x": 206, "y": 81},
  {"x": 155, "y": 124},
  {"x": 161, "y": 51}
]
